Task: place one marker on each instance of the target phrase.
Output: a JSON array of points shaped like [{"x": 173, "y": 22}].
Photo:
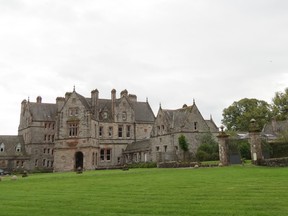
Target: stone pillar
[
  {"x": 255, "y": 143},
  {"x": 223, "y": 147}
]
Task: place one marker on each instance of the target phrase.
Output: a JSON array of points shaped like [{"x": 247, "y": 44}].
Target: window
[
  {"x": 105, "y": 154},
  {"x": 102, "y": 154},
  {"x": 128, "y": 130},
  {"x": 124, "y": 116},
  {"x": 2, "y": 147},
  {"x": 36, "y": 163},
  {"x": 53, "y": 137},
  {"x": 18, "y": 147},
  {"x": 165, "y": 148},
  {"x": 45, "y": 138},
  {"x": 73, "y": 129},
  {"x": 120, "y": 131},
  {"x": 157, "y": 148},
  {"x": 93, "y": 158},
  {"x": 195, "y": 125},
  {"x": 48, "y": 151},
  {"x": 73, "y": 111},
  {"x": 110, "y": 131},
  {"x": 108, "y": 154},
  {"x": 44, "y": 151},
  {"x": 105, "y": 115},
  {"x": 176, "y": 148},
  {"x": 100, "y": 131},
  {"x": 44, "y": 162}
]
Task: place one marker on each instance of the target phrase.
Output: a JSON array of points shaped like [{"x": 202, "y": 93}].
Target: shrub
[{"x": 143, "y": 165}]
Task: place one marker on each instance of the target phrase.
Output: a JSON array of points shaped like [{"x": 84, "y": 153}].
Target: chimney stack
[{"x": 39, "y": 99}]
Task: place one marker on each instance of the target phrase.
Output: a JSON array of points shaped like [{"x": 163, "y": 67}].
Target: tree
[
  {"x": 238, "y": 115},
  {"x": 183, "y": 144},
  {"x": 208, "y": 149},
  {"x": 280, "y": 105}
]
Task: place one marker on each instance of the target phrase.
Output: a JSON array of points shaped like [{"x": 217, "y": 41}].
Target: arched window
[{"x": 2, "y": 147}]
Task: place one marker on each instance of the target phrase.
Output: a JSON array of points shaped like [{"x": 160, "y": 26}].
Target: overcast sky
[{"x": 215, "y": 51}]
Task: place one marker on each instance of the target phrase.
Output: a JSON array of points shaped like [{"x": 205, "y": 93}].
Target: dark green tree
[
  {"x": 183, "y": 144},
  {"x": 208, "y": 149},
  {"x": 280, "y": 105},
  {"x": 238, "y": 115}
]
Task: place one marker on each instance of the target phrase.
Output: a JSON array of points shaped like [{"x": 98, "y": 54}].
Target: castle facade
[{"x": 94, "y": 133}]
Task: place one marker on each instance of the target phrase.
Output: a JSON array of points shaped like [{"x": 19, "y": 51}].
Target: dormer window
[
  {"x": 2, "y": 147},
  {"x": 105, "y": 115},
  {"x": 18, "y": 147}
]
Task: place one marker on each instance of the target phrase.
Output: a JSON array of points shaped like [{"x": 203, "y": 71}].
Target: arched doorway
[{"x": 79, "y": 160}]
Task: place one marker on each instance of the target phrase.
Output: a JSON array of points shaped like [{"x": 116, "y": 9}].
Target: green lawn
[{"x": 234, "y": 190}]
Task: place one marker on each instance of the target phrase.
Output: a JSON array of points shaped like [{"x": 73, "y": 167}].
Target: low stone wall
[{"x": 275, "y": 162}]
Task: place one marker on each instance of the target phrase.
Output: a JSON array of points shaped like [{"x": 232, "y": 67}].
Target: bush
[
  {"x": 143, "y": 165},
  {"x": 202, "y": 155}
]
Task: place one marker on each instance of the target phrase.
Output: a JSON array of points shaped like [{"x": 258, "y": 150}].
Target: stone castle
[{"x": 94, "y": 133}]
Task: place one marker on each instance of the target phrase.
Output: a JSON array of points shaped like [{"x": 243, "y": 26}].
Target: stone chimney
[
  {"x": 113, "y": 101},
  {"x": 67, "y": 95},
  {"x": 60, "y": 101},
  {"x": 39, "y": 99},
  {"x": 124, "y": 93},
  {"x": 23, "y": 106},
  {"x": 132, "y": 98},
  {"x": 94, "y": 98}
]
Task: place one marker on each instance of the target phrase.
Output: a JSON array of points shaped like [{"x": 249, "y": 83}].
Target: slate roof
[
  {"x": 275, "y": 127},
  {"x": 211, "y": 124},
  {"x": 143, "y": 112},
  {"x": 48, "y": 112},
  {"x": 10, "y": 145},
  {"x": 177, "y": 119},
  {"x": 142, "y": 145},
  {"x": 43, "y": 111}
]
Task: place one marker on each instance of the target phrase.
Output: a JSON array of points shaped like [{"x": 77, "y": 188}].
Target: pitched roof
[
  {"x": 273, "y": 129},
  {"x": 211, "y": 124},
  {"x": 10, "y": 145},
  {"x": 43, "y": 111},
  {"x": 142, "y": 145},
  {"x": 143, "y": 112}
]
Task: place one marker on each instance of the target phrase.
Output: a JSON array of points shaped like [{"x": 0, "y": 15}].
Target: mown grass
[{"x": 234, "y": 190}]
